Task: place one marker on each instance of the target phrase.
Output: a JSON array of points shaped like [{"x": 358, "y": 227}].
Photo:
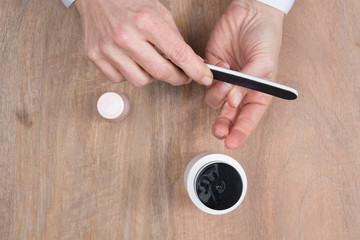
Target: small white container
[
  {"x": 215, "y": 183},
  {"x": 112, "y": 106}
]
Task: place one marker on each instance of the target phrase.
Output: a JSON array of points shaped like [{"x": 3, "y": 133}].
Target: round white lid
[
  {"x": 198, "y": 163},
  {"x": 110, "y": 105}
]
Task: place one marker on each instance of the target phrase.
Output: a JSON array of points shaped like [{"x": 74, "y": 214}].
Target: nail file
[{"x": 251, "y": 82}]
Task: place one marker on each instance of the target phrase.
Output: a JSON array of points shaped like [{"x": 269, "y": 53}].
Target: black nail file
[
  {"x": 254, "y": 83},
  {"x": 251, "y": 82}
]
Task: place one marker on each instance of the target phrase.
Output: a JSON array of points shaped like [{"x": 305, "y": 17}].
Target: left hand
[{"x": 247, "y": 38}]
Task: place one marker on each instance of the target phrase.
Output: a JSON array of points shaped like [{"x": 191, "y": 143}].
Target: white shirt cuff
[
  {"x": 67, "y": 3},
  {"x": 282, "y": 5}
]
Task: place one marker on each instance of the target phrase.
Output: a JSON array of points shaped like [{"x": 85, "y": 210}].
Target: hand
[
  {"x": 247, "y": 38},
  {"x": 120, "y": 36}
]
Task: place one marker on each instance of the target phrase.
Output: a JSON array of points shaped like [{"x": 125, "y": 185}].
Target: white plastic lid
[
  {"x": 110, "y": 105},
  {"x": 198, "y": 163}
]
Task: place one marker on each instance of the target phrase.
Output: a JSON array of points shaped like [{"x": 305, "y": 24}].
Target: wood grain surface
[{"x": 66, "y": 173}]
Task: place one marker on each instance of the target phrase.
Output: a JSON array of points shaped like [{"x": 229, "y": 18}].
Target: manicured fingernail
[
  {"x": 218, "y": 135},
  {"x": 206, "y": 81},
  {"x": 225, "y": 88},
  {"x": 237, "y": 98}
]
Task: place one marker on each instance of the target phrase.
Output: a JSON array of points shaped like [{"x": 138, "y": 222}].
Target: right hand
[{"x": 120, "y": 36}]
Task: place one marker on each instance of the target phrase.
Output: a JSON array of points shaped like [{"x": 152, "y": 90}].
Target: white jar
[
  {"x": 215, "y": 183},
  {"x": 112, "y": 106}
]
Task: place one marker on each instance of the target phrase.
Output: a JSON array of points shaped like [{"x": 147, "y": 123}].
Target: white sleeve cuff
[
  {"x": 67, "y": 3},
  {"x": 282, "y": 5}
]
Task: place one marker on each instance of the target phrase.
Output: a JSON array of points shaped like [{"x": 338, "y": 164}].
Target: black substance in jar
[{"x": 219, "y": 186}]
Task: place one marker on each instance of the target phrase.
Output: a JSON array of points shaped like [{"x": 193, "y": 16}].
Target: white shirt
[
  {"x": 282, "y": 5},
  {"x": 68, "y": 3}
]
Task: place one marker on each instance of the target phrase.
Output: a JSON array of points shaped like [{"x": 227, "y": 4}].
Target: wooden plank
[{"x": 68, "y": 174}]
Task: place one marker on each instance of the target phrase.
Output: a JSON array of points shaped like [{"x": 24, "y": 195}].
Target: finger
[
  {"x": 211, "y": 58},
  {"x": 219, "y": 63},
  {"x": 236, "y": 95},
  {"x": 109, "y": 70},
  {"x": 216, "y": 95},
  {"x": 156, "y": 65},
  {"x": 181, "y": 54},
  {"x": 167, "y": 15},
  {"x": 127, "y": 66},
  {"x": 262, "y": 68},
  {"x": 254, "y": 68},
  {"x": 250, "y": 114},
  {"x": 224, "y": 122}
]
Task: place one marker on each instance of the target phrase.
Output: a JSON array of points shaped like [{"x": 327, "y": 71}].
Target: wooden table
[{"x": 66, "y": 173}]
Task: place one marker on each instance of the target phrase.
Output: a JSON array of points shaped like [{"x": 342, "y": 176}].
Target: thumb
[
  {"x": 217, "y": 94},
  {"x": 262, "y": 68}
]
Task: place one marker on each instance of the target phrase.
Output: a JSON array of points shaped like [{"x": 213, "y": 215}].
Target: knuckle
[
  {"x": 92, "y": 54},
  {"x": 162, "y": 72},
  {"x": 143, "y": 18},
  {"x": 248, "y": 124},
  {"x": 123, "y": 38},
  {"x": 179, "y": 54},
  {"x": 104, "y": 48},
  {"x": 168, "y": 15}
]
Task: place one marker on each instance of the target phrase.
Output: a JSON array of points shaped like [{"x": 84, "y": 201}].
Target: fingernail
[
  {"x": 225, "y": 88},
  {"x": 218, "y": 135},
  {"x": 237, "y": 98},
  {"x": 206, "y": 81}
]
